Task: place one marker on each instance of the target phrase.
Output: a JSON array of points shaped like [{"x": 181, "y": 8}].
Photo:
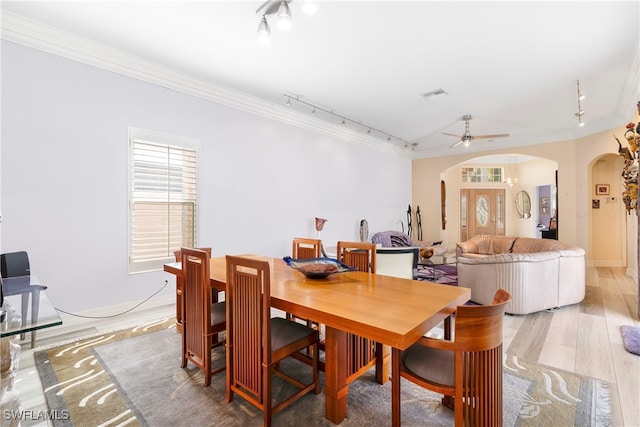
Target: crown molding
[{"x": 34, "y": 34}]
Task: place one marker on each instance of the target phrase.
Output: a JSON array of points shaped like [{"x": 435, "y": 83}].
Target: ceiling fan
[{"x": 466, "y": 137}]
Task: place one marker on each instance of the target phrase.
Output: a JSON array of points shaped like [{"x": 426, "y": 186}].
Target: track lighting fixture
[
  {"x": 282, "y": 11},
  {"x": 330, "y": 115},
  {"x": 580, "y": 111}
]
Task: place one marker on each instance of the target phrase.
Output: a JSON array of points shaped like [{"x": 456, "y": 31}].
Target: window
[
  {"x": 482, "y": 175},
  {"x": 163, "y": 195}
]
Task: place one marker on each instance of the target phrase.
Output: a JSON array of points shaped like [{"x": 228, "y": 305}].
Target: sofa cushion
[
  {"x": 508, "y": 258},
  {"x": 527, "y": 245},
  {"x": 485, "y": 244}
]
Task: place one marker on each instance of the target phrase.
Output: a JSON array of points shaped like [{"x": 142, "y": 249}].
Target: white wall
[{"x": 64, "y": 177}]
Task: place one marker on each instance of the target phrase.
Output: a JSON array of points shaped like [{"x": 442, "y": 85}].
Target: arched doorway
[
  {"x": 607, "y": 213},
  {"x": 531, "y": 172}
]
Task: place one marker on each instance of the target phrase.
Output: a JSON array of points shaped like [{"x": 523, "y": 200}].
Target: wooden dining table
[{"x": 392, "y": 311}]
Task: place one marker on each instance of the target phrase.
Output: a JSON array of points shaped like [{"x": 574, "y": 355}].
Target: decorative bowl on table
[{"x": 317, "y": 268}]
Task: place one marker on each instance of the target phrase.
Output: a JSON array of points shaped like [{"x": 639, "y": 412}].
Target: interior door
[{"x": 482, "y": 212}]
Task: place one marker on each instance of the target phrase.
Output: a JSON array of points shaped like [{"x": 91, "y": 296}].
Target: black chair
[{"x": 15, "y": 266}]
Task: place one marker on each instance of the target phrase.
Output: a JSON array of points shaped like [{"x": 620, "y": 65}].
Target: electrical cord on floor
[{"x": 118, "y": 314}]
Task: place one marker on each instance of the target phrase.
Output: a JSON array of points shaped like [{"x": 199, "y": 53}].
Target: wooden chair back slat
[
  {"x": 360, "y": 255},
  {"x": 304, "y": 248}
]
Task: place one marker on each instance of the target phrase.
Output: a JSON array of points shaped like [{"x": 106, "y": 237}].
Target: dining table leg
[
  {"x": 335, "y": 386},
  {"x": 382, "y": 363},
  {"x": 395, "y": 387}
]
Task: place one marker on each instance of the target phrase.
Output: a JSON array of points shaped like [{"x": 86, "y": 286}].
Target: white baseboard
[
  {"x": 617, "y": 264},
  {"x": 111, "y": 310}
]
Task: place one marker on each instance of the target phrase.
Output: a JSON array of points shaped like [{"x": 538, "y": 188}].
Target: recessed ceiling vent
[{"x": 433, "y": 93}]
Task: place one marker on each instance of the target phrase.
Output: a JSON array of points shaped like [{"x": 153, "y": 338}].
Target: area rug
[
  {"x": 446, "y": 274},
  {"x": 631, "y": 338},
  {"x": 134, "y": 378}
]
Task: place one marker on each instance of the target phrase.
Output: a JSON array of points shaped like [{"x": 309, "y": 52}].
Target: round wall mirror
[{"x": 523, "y": 204}]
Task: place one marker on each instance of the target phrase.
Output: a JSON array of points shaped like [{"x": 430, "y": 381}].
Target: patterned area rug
[
  {"x": 134, "y": 378},
  {"x": 446, "y": 274}
]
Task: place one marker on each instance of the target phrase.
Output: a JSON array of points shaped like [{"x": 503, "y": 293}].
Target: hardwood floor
[{"x": 584, "y": 338}]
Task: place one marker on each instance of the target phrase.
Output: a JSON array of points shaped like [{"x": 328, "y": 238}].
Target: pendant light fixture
[
  {"x": 580, "y": 111},
  {"x": 512, "y": 181}
]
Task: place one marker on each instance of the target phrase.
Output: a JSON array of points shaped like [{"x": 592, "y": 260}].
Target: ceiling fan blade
[
  {"x": 451, "y": 134},
  {"x": 498, "y": 135},
  {"x": 457, "y": 143}
]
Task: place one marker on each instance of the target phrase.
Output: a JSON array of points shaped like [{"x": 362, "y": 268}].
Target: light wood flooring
[{"x": 584, "y": 338}]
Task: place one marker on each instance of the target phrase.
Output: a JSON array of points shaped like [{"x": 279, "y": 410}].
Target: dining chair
[
  {"x": 467, "y": 368},
  {"x": 361, "y": 255},
  {"x": 305, "y": 248},
  {"x": 14, "y": 265},
  {"x": 257, "y": 343},
  {"x": 362, "y": 352},
  {"x": 179, "y": 309},
  {"x": 398, "y": 262},
  {"x": 203, "y": 319}
]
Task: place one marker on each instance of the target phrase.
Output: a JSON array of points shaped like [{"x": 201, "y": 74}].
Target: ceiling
[{"x": 513, "y": 66}]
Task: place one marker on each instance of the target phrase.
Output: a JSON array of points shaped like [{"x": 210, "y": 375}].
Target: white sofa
[{"x": 538, "y": 273}]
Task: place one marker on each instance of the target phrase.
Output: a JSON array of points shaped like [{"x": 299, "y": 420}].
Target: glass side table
[
  {"x": 20, "y": 297},
  {"x": 435, "y": 262}
]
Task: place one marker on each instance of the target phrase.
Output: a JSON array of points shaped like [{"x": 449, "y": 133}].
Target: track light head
[
  {"x": 284, "y": 16},
  {"x": 264, "y": 32},
  {"x": 309, "y": 7}
]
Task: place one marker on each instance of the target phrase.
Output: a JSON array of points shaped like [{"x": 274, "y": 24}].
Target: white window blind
[{"x": 163, "y": 197}]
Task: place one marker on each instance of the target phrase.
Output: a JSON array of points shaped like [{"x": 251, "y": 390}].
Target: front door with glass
[{"x": 482, "y": 211}]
